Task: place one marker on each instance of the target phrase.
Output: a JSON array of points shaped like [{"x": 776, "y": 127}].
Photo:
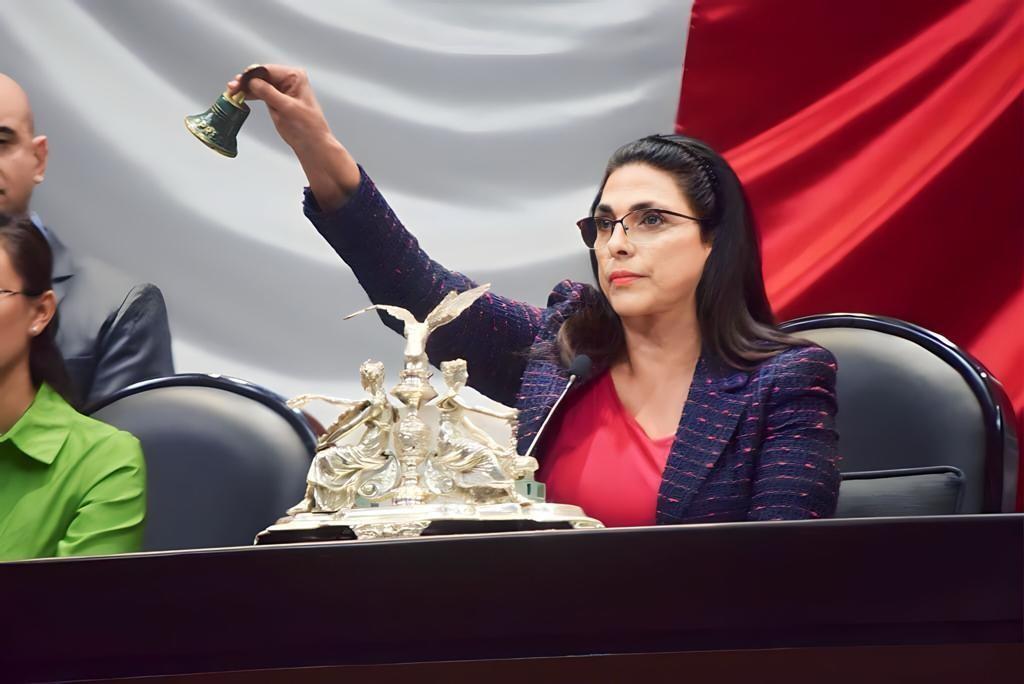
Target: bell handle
[{"x": 250, "y": 72}]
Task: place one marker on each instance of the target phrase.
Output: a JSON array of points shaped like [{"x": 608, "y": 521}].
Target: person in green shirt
[{"x": 69, "y": 485}]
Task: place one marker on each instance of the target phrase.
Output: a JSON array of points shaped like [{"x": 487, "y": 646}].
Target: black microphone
[{"x": 579, "y": 371}]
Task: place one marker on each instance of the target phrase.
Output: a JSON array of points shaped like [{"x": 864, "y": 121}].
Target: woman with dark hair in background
[
  {"x": 698, "y": 409},
  {"x": 69, "y": 485}
]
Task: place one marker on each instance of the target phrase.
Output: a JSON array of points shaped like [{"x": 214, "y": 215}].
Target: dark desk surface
[{"x": 733, "y": 586}]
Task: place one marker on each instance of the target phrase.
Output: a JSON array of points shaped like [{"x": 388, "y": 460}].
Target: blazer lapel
[
  {"x": 63, "y": 263},
  {"x": 712, "y": 410},
  {"x": 542, "y": 382}
]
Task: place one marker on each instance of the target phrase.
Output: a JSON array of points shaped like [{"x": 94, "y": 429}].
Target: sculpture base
[{"x": 397, "y": 522}]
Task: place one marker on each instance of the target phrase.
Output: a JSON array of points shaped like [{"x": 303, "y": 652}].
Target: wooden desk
[{"x": 950, "y": 587}]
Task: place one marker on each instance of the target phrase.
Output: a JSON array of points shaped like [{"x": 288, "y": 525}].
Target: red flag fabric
[{"x": 882, "y": 145}]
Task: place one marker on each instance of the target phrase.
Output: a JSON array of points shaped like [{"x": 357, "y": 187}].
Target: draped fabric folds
[
  {"x": 487, "y": 126},
  {"x": 882, "y": 145}
]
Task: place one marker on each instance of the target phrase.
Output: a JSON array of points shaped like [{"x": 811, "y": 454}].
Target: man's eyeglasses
[
  {"x": 642, "y": 226},
  {"x": 11, "y": 293}
]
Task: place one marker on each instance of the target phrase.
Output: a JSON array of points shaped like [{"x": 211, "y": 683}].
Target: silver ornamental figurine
[
  {"x": 468, "y": 459},
  {"x": 339, "y": 472},
  {"x": 400, "y": 478}
]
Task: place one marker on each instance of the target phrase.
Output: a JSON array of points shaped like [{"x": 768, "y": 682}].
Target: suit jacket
[
  {"x": 759, "y": 445},
  {"x": 111, "y": 333}
]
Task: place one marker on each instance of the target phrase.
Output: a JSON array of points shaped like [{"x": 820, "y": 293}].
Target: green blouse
[{"x": 69, "y": 485}]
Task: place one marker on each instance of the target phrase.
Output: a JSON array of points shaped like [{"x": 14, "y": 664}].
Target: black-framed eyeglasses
[
  {"x": 10, "y": 293},
  {"x": 642, "y": 226}
]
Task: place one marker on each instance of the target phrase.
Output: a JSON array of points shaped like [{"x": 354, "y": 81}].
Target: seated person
[
  {"x": 699, "y": 410},
  {"x": 109, "y": 339},
  {"x": 69, "y": 485}
]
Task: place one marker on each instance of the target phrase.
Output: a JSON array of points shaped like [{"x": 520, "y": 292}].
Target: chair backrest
[
  {"x": 224, "y": 458},
  {"x": 935, "y": 490},
  {"x": 909, "y": 398}
]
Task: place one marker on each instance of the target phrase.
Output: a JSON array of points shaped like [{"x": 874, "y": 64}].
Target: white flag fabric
[{"x": 486, "y": 125}]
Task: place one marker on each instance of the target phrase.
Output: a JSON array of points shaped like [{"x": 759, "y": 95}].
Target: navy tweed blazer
[{"x": 758, "y": 445}]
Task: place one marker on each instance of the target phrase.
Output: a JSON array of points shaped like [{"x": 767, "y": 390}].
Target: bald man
[{"x": 112, "y": 334}]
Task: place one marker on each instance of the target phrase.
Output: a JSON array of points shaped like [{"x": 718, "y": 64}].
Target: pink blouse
[{"x": 599, "y": 458}]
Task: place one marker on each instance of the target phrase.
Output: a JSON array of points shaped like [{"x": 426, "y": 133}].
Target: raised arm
[
  {"x": 499, "y": 414},
  {"x": 346, "y": 208}
]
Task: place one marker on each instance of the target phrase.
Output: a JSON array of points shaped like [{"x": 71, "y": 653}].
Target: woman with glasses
[
  {"x": 698, "y": 408},
  {"x": 69, "y": 485}
]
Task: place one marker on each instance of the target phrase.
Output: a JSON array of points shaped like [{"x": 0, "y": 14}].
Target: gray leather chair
[
  {"x": 224, "y": 458},
  {"x": 924, "y": 428}
]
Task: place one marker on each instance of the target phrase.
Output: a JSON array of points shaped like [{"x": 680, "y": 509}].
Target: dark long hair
[
  {"x": 32, "y": 259},
  {"x": 736, "y": 321}
]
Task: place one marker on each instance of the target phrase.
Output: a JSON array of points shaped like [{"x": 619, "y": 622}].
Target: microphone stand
[{"x": 578, "y": 370}]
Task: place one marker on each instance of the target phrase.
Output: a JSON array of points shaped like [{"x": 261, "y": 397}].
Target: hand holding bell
[
  {"x": 293, "y": 107},
  {"x": 331, "y": 171}
]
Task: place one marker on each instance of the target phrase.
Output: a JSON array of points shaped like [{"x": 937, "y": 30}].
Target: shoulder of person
[
  {"x": 144, "y": 299},
  {"x": 572, "y": 294},
  {"x": 97, "y": 293},
  {"x": 91, "y": 447},
  {"x": 91, "y": 434},
  {"x": 801, "y": 366},
  {"x": 104, "y": 448}
]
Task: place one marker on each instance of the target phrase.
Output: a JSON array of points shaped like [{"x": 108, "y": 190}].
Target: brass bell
[{"x": 218, "y": 126}]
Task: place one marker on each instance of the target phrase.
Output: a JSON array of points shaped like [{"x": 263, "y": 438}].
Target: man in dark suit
[{"x": 112, "y": 333}]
